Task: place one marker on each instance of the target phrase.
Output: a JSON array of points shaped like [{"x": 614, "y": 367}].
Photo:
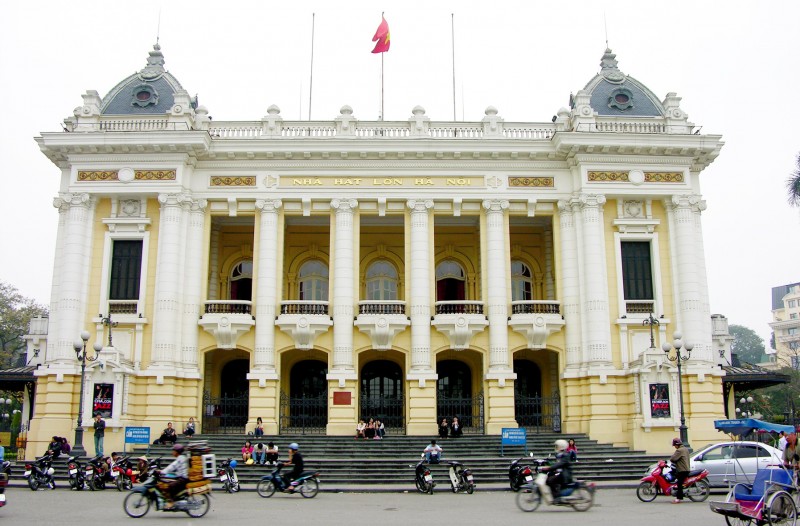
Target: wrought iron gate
[
  {"x": 538, "y": 413},
  {"x": 469, "y": 411},
  {"x": 304, "y": 415},
  {"x": 389, "y": 410},
  {"x": 225, "y": 414}
]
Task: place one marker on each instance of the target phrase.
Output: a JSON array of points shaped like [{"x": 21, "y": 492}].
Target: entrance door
[
  {"x": 227, "y": 413},
  {"x": 382, "y": 395},
  {"x": 455, "y": 398},
  {"x": 532, "y": 410},
  {"x": 305, "y": 409}
]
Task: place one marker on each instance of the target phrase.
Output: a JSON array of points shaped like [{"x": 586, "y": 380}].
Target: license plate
[
  {"x": 528, "y": 478},
  {"x": 114, "y": 474},
  {"x": 73, "y": 471},
  {"x": 2, "y": 498},
  {"x": 223, "y": 478},
  {"x": 27, "y": 473},
  {"x": 469, "y": 478},
  {"x": 88, "y": 470},
  {"x": 428, "y": 478}
]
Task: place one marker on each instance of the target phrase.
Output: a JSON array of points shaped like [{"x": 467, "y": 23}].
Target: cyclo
[{"x": 194, "y": 499}]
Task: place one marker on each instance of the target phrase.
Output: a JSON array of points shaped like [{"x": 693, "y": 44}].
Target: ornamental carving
[
  {"x": 532, "y": 182},
  {"x": 103, "y": 175},
  {"x": 663, "y": 177},
  {"x": 155, "y": 175},
  {"x": 608, "y": 176},
  {"x": 247, "y": 180}
]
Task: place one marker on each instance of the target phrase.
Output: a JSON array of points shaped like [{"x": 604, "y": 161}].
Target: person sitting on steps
[
  {"x": 433, "y": 453},
  {"x": 168, "y": 435}
]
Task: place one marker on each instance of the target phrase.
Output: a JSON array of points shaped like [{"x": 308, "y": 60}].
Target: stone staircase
[{"x": 345, "y": 461}]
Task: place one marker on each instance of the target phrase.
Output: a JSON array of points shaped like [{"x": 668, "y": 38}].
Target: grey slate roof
[{"x": 778, "y": 293}]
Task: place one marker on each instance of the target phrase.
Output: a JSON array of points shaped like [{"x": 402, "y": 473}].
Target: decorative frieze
[
  {"x": 155, "y": 175},
  {"x": 663, "y": 177},
  {"x": 247, "y": 180},
  {"x": 608, "y": 177},
  {"x": 532, "y": 182},
  {"x": 624, "y": 177},
  {"x": 98, "y": 175},
  {"x": 139, "y": 175}
]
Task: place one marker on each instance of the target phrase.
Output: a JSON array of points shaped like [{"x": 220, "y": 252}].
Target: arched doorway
[
  {"x": 455, "y": 396},
  {"x": 382, "y": 394},
  {"x": 226, "y": 410},
  {"x": 305, "y": 409},
  {"x": 533, "y": 410}
]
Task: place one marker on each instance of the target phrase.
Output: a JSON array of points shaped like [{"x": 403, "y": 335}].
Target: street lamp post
[
  {"x": 80, "y": 353},
  {"x": 676, "y": 345},
  {"x": 744, "y": 404}
]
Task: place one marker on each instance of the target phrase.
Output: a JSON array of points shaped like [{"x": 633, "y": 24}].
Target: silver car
[{"x": 731, "y": 462}]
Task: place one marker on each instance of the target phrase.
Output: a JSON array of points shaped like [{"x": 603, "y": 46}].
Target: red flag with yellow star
[{"x": 381, "y": 37}]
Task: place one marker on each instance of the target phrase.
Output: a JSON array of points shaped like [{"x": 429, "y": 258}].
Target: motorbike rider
[
  {"x": 296, "y": 460},
  {"x": 680, "y": 459},
  {"x": 559, "y": 473},
  {"x": 179, "y": 469}
]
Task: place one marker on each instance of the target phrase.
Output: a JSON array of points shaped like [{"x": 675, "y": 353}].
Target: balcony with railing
[
  {"x": 304, "y": 321},
  {"x": 382, "y": 321},
  {"x": 459, "y": 321},
  {"x": 536, "y": 320},
  {"x": 227, "y": 320}
]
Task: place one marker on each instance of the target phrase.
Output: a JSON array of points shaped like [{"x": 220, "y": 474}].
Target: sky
[{"x": 522, "y": 57}]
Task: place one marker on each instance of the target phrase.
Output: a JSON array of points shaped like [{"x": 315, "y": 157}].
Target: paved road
[{"x": 613, "y": 506}]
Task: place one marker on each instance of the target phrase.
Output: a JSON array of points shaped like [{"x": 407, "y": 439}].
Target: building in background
[
  {"x": 786, "y": 325},
  {"x": 315, "y": 272}
]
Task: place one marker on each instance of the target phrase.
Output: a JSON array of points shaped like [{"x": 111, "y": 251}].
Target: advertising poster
[
  {"x": 102, "y": 399},
  {"x": 659, "y": 401}
]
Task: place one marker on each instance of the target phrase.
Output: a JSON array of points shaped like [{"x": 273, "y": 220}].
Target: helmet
[
  {"x": 233, "y": 464},
  {"x": 293, "y": 446},
  {"x": 677, "y": 442},
  {"x": 561, "y": 444},
  {"x": 178, "y": 448}
]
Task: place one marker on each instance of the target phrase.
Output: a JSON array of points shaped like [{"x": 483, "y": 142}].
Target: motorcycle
[
  {"x": 423, "y": 477},
  {"x": 98, "y": 474},
  {"x": 77, "y": 475},
  {"x": 195, "y": 502},
  {"x": 40, "y": 473},
  {"x": 661, "y": 481},
  {"x": 579, "y": 495},
  {"x": 5, "y": 474},
  {"x": 461, "y": 478},
  {"x": 519, "y": 474},
  {"x": 123, "y": 473},
  {"x": 228, "y": 477},
  {"x": 307, "y": 483}
]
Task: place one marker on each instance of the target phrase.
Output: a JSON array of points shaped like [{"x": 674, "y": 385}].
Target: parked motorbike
[
  {"x": 579, "y": 495},
  {"x": 228, "y": 477},
  {"x": 98, "y": 474},
  {"x": 124, "y": 473},
  {"x": 461, "y": 478},
  {"x": 77, "y": 474},
  {"x": 195, "y": 502},
  {"x": 40, "y": 473},
  {"x": 5, "y": 474},
  {"x": 661, "y": 481},
  {"x": 307, "y": 483},
  {"x": 519, "y": 474},
  {"x": 423, "y": 478}
]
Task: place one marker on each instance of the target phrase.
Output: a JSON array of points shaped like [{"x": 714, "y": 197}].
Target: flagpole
[
  {"x": 453, "y": 44},
  {"x": 311, "y": 82},
  {"x": 382, "y": 77}
]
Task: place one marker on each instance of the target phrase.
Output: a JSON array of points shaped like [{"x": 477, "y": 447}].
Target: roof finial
[
  {"x": 609, "y": 69},
  {"x": 155, "y": 64}
]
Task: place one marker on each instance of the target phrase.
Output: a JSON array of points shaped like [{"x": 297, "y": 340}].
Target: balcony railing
[
  {"x": 304, "y": 307},
  {"x": 229, "y": 307},
  {"x": 639, "y": 306},
  {"x": 381, "y": 307},
  {"x": 535, "y": 307},
  {"x": 123, "y": 306},
  {"x": 459, "y": 307}
]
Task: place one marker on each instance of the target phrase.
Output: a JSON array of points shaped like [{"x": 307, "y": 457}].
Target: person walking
[
  {"x": 680, "y": 459},
  {"x": 99, "y": 433}
]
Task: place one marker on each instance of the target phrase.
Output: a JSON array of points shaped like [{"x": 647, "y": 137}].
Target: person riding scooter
[
  {"x": 179, "y": 469},
  {"x": 296, "y": 460},
  {"x": 559, "y": 474}
]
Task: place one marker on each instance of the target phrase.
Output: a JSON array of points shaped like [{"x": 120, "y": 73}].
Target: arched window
[
  {"x": 521, "y": 283},
  {"x": 455, "y": 379},
  {"x": 450, "y": 281},
  {"x": 241, "y": 281},
  {"x": 381, "y": 281},
  {"x": 313, "y": 277}
]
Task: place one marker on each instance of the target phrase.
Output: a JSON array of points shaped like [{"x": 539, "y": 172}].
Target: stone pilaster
[
  {"x": 496, "y": 272},
  {"x": 192, "y": 283},
  {"x": 570, "y": 283},
  {"x": 343, "y": 304},
  {"x": 267, "y": 286},
  {"x": 420, "y": 291}
]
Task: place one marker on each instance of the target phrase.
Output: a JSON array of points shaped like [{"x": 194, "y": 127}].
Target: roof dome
[
  {"x": 614, "y": 93},
  {"x": 150, "y": 91}
]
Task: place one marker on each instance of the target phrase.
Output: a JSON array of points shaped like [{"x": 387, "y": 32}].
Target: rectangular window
[
  {"x": 793, "y": 316},
  {"x": 637, "y": 274},
  {"x": 792, "y": 304},
  {"x": 126, "y": 270}
]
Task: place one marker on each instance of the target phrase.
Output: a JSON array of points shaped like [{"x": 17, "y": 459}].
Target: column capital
[
  {"x": 268, "y": 205},
  {"x": 591, "y": 200},
  {"x": 197, "y": 205},
  {"x": 692, "y": 201},
  {"x": 67, "y": 200},
  {"x": 344, "y": 205},
  {"x": 495, "y": 205},
  {"x": 168, "y": 200},
  {"x": 417, "y": 205}
]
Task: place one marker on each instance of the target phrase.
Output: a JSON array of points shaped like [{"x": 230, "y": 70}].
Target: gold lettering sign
[
  {"x": 608, "y": 176},
  {"x": 663, "y": 177},
  {"x": 532, "y": 182},
  {"x": 155, "y": 175},
  {"x": 103, "y": 175},
  {"x": 384, "y": 182},
  {"x": 247, "y": 180}
]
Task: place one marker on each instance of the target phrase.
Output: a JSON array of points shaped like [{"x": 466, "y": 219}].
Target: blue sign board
[
  {"x": 514, "y": 436},
  {"x": 137, "y": 435}
]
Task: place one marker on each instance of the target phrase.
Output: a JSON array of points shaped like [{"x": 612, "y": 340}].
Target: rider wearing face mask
[{"x": 560, "y": 473}]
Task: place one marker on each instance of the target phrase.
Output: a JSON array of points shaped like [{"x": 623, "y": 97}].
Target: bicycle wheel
[
  {"x": 647, "y": 492},
  {"x": 529, "y": 498},
  {"x": 197, "y": 505},
  {"x": 265, "y": 488},
  {"x": 780, "y": 509},
  {"x": 581, "y": 499},
  {"x": 699, "y": 491},
  {"x": 309, "y": 488},
  {"x": 136, "y": 505},
  {"x": 736, "y": 521}
]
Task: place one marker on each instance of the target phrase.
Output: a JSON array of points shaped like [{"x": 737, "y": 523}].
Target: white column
[
  {"x": 549, "y": 280},
  {"x": 570, "y": 282},
  {"x": 420, "y": 289},
  {"x": 343, "y": 284},
  {"x": 169, "y": 265},
  {"x": 73, "y": 263},
  {"x": 496, "y": 272},
  {"x": 267, "y": 284},
  {"x": 595, "y": 283},
  {"x": 213, "y": 264},
  {"x": 691, "y": 289},
  {"x": 193, "y": 282}
]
